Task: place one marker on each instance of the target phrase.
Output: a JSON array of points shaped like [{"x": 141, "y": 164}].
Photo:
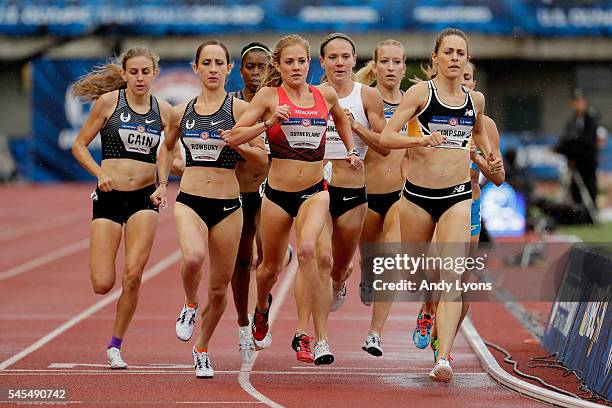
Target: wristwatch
[{"x": 354, "y": 152}]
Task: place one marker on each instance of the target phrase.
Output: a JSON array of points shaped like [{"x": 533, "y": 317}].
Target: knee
[
  {"x": 217, "y": 296},
  {"x": 101, "y": 286},
  {"x": 192, "y": 261},
  {"x": 131, "y": 281},
  {"x": 268, "y": 272},
  {"x": 306, "y": 253},
  {"x": 243, "y": 265},
  {"x": 325, "y": 262}
]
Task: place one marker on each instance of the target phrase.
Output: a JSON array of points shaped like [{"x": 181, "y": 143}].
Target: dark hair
[
  {"x": 211, "y": 42},
  {"x": 430, "y": 70},
  {"x": 331, "y": 37},
  {"x": 254, "y": 46}
]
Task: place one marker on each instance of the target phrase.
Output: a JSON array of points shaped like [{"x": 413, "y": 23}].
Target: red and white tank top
[{"x": 302, "y": 136}]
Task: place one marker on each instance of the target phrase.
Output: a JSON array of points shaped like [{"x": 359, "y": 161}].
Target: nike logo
[
  {"x": 231, "y": 208},
  {"x": 348, "y": 198},
  {"x": 216, "y": 123},
  {"x": 148, "y": 122}
]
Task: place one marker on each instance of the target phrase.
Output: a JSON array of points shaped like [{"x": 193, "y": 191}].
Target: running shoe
[
  {"x": 322, "y": 354},
  {"x": 114, "y": 359},
  {"x": 372, "y": 345},
  {"x": 422, "y": 332},
  {"x": 203, "y": 368},
  {"x": 259, "y": 327},
  {"x": 338, "y": 300},
  {"x": 301, "y": 345},
  {"x": 442, "y": 371},
  {"x": 186, "y": 322},
  {"x": 245, "y": 339}
]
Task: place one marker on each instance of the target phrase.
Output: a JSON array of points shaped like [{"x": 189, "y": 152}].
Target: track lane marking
[
  {"x": 150, "y": 273},
  {"x": 244, "y": 377}
]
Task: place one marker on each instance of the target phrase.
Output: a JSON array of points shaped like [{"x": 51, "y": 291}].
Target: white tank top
[{"x": 334, "y": 148}]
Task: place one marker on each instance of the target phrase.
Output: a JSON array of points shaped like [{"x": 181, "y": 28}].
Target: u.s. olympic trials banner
[
  {"x": 161, "y": 18},
  {"x": 579, "y": 331},
  {"x": 57, "y": 116}
]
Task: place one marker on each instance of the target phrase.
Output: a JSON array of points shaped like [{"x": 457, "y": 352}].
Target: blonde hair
[
  {"x": 429, "y": 70},
  {"x": 107, "y": 78},
  {"x": 367, "y": 74},
  {"x": 272, "y": 76},
  {"x": 328, "y": 38}
]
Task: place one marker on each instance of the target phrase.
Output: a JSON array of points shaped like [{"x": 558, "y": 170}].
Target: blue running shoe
[{"x": 422, "y": 332}]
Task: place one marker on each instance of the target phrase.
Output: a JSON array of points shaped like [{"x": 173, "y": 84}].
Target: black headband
[{"x": 333, "y": 37}]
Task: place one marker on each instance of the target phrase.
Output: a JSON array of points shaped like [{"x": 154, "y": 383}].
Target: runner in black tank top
[
  {"x": 437, "y": 191},
  {"x": 207, "y": 212},
  {"x": 130, "y": 122}
]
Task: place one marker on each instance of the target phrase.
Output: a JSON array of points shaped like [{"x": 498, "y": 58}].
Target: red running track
[{"x": 53, "y": 331}]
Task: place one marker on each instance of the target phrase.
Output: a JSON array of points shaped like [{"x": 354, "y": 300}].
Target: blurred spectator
[{"x": 579, "y": 144}]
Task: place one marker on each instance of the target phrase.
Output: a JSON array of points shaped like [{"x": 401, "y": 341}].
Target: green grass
[{"x": 589, "y": 233}]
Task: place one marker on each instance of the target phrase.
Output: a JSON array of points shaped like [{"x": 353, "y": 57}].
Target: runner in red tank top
[{"x": 294, "y": 116}]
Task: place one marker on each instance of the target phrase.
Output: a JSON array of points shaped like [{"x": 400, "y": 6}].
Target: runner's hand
[
  {"x": 105, "y": 183},
  {"x": 435, "y": 139},
  {"x": 158, "y": 198},
  {"x": 354, "y": 161}
]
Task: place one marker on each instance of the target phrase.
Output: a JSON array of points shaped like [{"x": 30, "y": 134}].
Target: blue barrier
[
  {"x": 579, "y": 331},
  {"x": 182, "y": 17}
]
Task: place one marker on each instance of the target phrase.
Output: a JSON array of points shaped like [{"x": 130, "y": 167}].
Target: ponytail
[
  {"x": 107, "y": 78},
  {"x": 367, "y": 75}
]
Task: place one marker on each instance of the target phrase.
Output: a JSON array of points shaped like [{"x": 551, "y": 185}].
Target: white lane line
[
  {"x": 50, "y": 257},
  {"x": 126, "y": 403},
  {"x": 134, "y": 371},
  {"x": 150, "y": 273},
  {"x": 244, "y": 378},
  {"x": 11, "y": 233}
]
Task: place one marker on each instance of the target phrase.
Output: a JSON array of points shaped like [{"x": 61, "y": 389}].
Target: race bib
[
  {"x": 457, "y": 131},
  {"x": 304, "y": 133},
  {"x": 204, "y": 145},
  {"x": 138, "y": 138}
]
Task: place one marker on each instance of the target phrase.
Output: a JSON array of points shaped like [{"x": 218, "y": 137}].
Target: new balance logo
[
  {"x": 216, "y": 123},
  {"x": 458, "y": 189},
  {"x": 469, "y": 112}
]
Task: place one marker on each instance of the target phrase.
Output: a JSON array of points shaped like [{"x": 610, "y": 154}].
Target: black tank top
[
  {"x": 201, "y": 139},
  {"x": 454, "y": 122},
  {"x": 130, "y": 135},
  {"x": 389, "y": 109}
]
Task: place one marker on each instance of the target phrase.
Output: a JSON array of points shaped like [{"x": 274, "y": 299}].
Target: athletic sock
[
  {"x": 115, "y": 342},
  {"x": 201, "y": 349}
]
